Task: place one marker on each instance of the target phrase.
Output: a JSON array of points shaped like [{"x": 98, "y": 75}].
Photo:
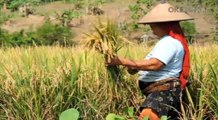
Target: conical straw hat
[{"x": 164, "y": 12}]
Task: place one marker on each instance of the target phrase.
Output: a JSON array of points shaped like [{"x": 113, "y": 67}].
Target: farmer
[{"x": 163, "y": 72}]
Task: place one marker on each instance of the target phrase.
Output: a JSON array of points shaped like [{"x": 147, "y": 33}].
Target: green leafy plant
[
  {"x": 129, "y": 115},
  {"x": 138, "y": 10},
  {"x": 130, "y": 111},
  {"x": 102, "y": 1},
  {"x": 4, "y": 17},
  {"x": 47, "y": 34},
  {"x": 67, "y": 16},
  {"x": 15, "y": 4},
  {"x": 2, "y": 36},
  {"x": 50, "y": 34},
  {"x": 189, "y": 30},
  {"x": 112, "y": 116},
  {"x": 69, "y": 114}
]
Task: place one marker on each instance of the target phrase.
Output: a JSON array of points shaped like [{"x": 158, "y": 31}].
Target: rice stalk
[
  {"x": 48, "y": 80},
  {"x": 106, "y": 39}
]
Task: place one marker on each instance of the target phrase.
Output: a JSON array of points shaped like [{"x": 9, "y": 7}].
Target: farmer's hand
[
  {"x": 132, "y": 70},
  {"x": 111, "y": 61}
]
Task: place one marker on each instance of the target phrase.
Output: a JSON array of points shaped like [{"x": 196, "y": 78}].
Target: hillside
[{"x": 117, "y": 10}]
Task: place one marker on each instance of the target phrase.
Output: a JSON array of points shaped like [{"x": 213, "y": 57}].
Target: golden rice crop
[
  {"x": 106, "y": 38},
  {"x": 38, "y": 83}
]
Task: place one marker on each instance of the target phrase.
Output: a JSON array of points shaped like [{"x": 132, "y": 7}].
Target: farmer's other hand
[
  {"x": 111, "y": 61},
  {"x": 132, "y": 70}
]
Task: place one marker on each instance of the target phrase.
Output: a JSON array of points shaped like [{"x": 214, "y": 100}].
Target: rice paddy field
[{"x": 39, "y": 83}]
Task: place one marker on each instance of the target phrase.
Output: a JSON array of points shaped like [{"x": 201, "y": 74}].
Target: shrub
[
  {"x": 15, "y": 4},
  {"x": 67, "y": 16},
  {"x": 188, "y": 29},
  {"x": 4, "y": 17},
  {"x": 138, "y": 10},
  {"x": 50, "y": 34},
  {"x": 2, "y": 36},
  {"x": 17, "y": 39}
]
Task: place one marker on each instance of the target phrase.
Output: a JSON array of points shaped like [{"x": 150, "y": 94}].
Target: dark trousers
[{"x": 153, "y": 101}]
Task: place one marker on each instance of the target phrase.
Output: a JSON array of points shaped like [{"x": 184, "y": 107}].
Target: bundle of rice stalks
[{"x": 107, "y": 40}]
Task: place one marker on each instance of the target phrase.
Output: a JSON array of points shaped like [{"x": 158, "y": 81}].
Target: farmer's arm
[{"x": 148, "y": 65}]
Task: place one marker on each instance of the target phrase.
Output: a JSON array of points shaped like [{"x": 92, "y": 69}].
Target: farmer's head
[
  {"x": 165, "y": 28},
  {"x": 158, "y": 29}
]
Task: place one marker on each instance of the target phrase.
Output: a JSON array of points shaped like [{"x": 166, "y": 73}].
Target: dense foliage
[
  {"x": 48, "y": 34},
  {"x": 15, "y": 4},
  {"x": 4, "y": 17},
  {"x": 189, "y": 30},
  {"x": 138, "y": 10}
]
